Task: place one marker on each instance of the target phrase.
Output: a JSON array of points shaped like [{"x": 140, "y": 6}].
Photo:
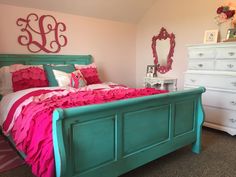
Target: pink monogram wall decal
[{"x": 41, "y": 33}]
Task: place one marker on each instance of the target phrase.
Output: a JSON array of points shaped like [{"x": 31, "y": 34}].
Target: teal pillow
[{"x": 51, "y": 78}]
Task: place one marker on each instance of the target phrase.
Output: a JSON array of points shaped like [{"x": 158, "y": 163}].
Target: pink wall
[
  {"x": 188, "y": 20},
  {"x": 118, "y": 47},
  {"x": 112, "y": 44}
]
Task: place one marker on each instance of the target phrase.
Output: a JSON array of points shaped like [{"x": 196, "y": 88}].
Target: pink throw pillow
[
  {"x": 77, "y": 79},
  {"x": 90, "y": 73},
  {"x": 29, "y": 78}
]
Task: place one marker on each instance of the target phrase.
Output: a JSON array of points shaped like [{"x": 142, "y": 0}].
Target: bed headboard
[{"x": 29, "y": 59}]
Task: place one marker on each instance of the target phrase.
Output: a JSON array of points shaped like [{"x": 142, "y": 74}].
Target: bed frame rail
[{"x": 113, "y": 138}]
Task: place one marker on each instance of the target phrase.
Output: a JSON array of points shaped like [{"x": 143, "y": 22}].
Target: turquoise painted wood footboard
[{"x": 107, "y": 140}]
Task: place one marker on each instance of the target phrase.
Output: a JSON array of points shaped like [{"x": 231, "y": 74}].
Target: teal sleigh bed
[{"x": 107, "y": 140}]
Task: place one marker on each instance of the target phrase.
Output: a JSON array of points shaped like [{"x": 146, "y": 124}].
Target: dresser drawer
[
  {"x": 201, "y": 53},
  {"x": 212, "y": 81},
  {"x": 225, "y": 65},
  {"x": 201, "y": 64},
  {"x": 220, "y": 116},
  {"x": 218, "y": 99},
  {"x": 229, "y": 52}
]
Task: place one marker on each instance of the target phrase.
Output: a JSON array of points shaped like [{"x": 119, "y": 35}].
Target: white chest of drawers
[{"x": 214, "y": 67}]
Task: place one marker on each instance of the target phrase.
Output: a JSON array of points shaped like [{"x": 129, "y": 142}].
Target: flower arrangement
[{"x": 226, "y": 12}]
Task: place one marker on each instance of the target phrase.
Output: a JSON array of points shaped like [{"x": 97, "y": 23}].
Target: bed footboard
[{"x": 113, "y": 138}]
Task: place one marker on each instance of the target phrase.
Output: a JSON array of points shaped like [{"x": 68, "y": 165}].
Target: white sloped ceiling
[{"x": 130, "y": 11}]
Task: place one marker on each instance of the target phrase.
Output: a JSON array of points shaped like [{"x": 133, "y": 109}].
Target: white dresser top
[{"x": 219, "y": 44}]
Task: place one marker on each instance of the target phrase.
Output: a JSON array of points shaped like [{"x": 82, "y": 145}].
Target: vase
[{"x": 223, "y": 29}]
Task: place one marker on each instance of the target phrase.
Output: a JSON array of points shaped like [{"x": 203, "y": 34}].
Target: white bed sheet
[{"x": 9, "y": 99}]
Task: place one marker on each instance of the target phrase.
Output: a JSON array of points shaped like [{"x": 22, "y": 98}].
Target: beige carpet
[{"x": 217, "y": 159}]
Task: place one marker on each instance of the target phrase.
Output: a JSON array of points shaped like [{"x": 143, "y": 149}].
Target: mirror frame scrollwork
[{"x": 163, "y": 35}]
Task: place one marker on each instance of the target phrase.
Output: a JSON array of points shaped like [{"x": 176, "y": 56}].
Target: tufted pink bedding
[{"x": 32, "y": 127}]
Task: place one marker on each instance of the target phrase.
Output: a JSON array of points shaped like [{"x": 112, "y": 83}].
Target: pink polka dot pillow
[
  {"x": 90, "y": 73},
  {"x": 30, "y": 77}
]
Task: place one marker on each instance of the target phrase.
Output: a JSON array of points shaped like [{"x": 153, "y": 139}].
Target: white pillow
[
  {"x": 65, "y": 79},
  {"x": 92, "y": 65},
  {"x": 5, "y": 80}
]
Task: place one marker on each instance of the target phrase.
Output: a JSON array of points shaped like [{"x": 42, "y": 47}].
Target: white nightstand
[{"x": 161, "y": 83}]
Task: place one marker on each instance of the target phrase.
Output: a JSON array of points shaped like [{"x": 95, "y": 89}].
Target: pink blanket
[{"x": 32, "y": 131}]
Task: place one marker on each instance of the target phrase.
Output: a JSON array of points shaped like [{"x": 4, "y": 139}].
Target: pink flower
[
  {"x": 220, "y": 10},
  {"x": 230, "y": 13},
  {"x": 222, "y": 17}
]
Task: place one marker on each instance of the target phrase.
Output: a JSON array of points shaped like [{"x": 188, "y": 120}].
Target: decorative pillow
[
  {"x": 74, "y": 79},
  {"x": 77, "y": 79},
  {"x": 29, "y": 78},
  {"x": 49, "y": 70},
  {"x": 6, "y": 76},
  {"x": 90, "y": 73}
]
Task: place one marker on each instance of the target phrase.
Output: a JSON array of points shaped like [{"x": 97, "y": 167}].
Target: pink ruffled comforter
[{"x": 32, "y": 131}]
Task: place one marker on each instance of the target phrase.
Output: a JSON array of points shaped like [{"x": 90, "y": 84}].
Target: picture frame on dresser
[
  {"x": 231, "y": 35},
  {"x": 211, "y": 36},
  {"x": 151, "y": 71}
]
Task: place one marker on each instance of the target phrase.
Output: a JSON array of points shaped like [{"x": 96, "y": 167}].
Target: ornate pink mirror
[{"x": 163, "y": 49}]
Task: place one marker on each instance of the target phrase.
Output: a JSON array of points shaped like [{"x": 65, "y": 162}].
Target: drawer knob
[
  {"x": 233, "y": 83},
  {"x": 230, "y": 66},
  {"x": 233, "y": 103},
  {"x": 200, "y": 54},
  {"x": 231, "y": 53},
  {"x": 233, "y": 120},
  {"x": 200, "y": 65},
  {"x": 192, "y": 80}
]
